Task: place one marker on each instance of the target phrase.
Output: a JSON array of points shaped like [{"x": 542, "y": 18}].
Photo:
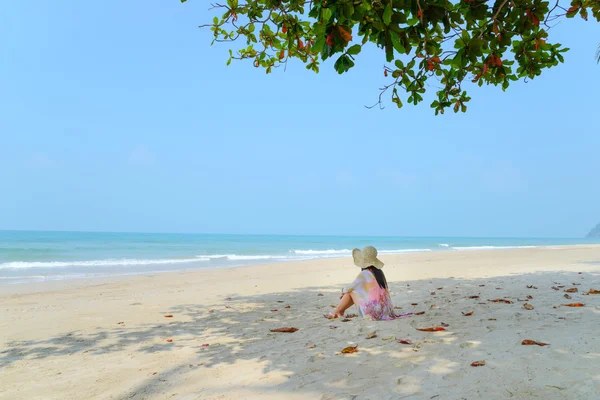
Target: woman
[{"x": 369, "y": 291}]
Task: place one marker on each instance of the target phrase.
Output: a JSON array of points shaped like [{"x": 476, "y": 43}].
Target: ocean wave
[
  {"x": 444, "y": 245},
  {"x": 329, "y": 252},
  {"x": 467, "y": 248},
  {"x": 92, "y": 263}
]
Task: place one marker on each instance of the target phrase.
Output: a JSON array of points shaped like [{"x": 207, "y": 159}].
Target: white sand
[{"x": 62, "y": 340}]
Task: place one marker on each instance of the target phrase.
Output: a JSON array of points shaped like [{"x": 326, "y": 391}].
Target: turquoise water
[{"x": 40, "y": 256}]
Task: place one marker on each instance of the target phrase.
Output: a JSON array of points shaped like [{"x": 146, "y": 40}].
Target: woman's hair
[{"x": 379, "y": 275}]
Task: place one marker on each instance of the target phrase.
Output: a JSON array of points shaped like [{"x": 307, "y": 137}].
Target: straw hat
[{"x": 366, "y": 258}]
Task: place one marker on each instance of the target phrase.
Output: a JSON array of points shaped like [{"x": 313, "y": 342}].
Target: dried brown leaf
[
  {"x": 473, "y": 297},
  {"x": 372, "y": 335},
  {"x": 531, "y": 287},
  {"x": 566, "y": 296},
  {"x": 170, "y": 340},
  {"x": 529, "y": 297},
  {"x": 444, "y": 325},
  {"x": 478, "y": 363},
  {"x": 432, "y": 329},
  {"x": 468, "y": 314},
  {"x": 351, "y": 315},
  {"x": 527, "y": 306},
  {"x": 501, "y": 301},
  {"x": 404, "y": 341},
  {"x": 285, "y": 330},
  {"x": 572, "y": 290},
  {"x": 332, "y": 327},
  {"x": 350, "y": 349},
  {"x": 346, "y": 320},
  {"x": 310, "y": 345},
  {"x": 420, "y": 313},
  {"x": 169, "y": 316},
  {"x": 594, "y": 291},
  {"x": 320, "y": 294},
  {"x": 574, "y": 305},
  {"x": 414, "y": 304},
  {"x": 287, "y": 307},
  {"x": 529, "y": 342}
]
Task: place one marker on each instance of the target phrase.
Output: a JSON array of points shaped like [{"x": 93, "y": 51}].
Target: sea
[{"x": 39, "y": 256}]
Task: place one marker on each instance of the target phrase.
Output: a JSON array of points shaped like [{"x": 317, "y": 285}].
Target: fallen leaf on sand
[
  {"x": 572, "y": 290},
  {"x": 481, "y": 285},
  {"x": 227, "y": 306},
  {"x": 477, "y": 363},
  {"x": 414, "y": 304},
  {"x": 574, "y": 305},
  {"x": 528, "y": 342},
  {"x": 169, "y": 340},
  {"x": 228, "y": 298},
  {"x": 433, "y": 306},
  {"x": 169, "y": 316},
  {"x": 350, "y": 350},
  {"x": 468, "y": 314},
  {"x": 371, "y": 335},
  {"x": 444, "y": 324},
  {"x": 351, "y": 315},
  {"x": 320, "y": 294},
  {"x": 491, "y": 319},
  {"x": 440, "y": 288},
  {"x": 211, "y": 311},
  {"x": 280, "y": 301},
  {"x": 501, "y": 301},
  {"x": 346, "y": 320},
  {"x": 387, "y": 338},
  {"x": 311, "y": 346},
  {"x": 404, "y": 341},
  {"x": 287, "y": 307},
  {"x": 576, "y": 284},
  {"x": 205, "y": 345},
  {"x": 420, "y": 313},
  {"x": 580, "y": 273},
  {"x": 120, "y": 323},
  {"x": 332, "y": 306},
  {"x": 567, "y": 296},
  {"x": 432, "y": 329},
  {"x": 594, "y": 291},
  {"x": 555, "y": 288},
  {"x": 473, "y": 297},
  {"x": 332, "y": 327},
  {"x": 275, "y": 310},
  {"x": 531, "y": 287},
  {"x": 527, "y": 306},
  {"x": 529, "y": 297},
  {"x": 285, "y": 330},
  {"x": 432, "y": 293},
  {"x": 398, "y": 308}
]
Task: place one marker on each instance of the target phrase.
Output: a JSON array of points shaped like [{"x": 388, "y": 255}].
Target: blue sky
[{"x": 120, "y": 116}]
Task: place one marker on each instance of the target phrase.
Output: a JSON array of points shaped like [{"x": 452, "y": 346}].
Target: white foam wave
[
  {"x": 467, "y": 248},
  {"x": 403, "y": 251},
  {"x": 92, "y": 263},
  {"x": 330, "y": 252},
  {"x": 444, "y": 245}
]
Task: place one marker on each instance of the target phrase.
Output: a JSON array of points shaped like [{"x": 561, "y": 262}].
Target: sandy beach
[{"x": 112, "y": 339}]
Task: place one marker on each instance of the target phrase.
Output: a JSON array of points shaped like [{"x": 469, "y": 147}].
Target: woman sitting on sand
[{"x": 369, "y": 291}]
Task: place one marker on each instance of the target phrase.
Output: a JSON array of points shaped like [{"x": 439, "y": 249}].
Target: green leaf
[
  {"x": 215, "y": 20},
  {"x": 396, "y": 42},
  {"x": 326, "y": 14},
  {"x": 387, "y": 14},
  {"x": 343, "y": 64},
  {"x": 354, "y": 49}
]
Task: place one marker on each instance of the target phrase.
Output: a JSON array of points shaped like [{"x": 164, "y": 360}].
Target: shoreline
[
  {"x": 89, "y": 280},
  {"x": 109, "y": 338}
]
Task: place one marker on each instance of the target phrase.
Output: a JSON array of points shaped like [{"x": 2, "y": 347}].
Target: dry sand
[{"x": 109, "y": 339}]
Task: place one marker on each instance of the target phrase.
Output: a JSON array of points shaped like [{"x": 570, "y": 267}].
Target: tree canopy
[{"x": 485, "y": 42}]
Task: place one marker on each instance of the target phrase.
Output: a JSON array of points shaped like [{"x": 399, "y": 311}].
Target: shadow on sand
[{"x": 308, "y": 364}]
